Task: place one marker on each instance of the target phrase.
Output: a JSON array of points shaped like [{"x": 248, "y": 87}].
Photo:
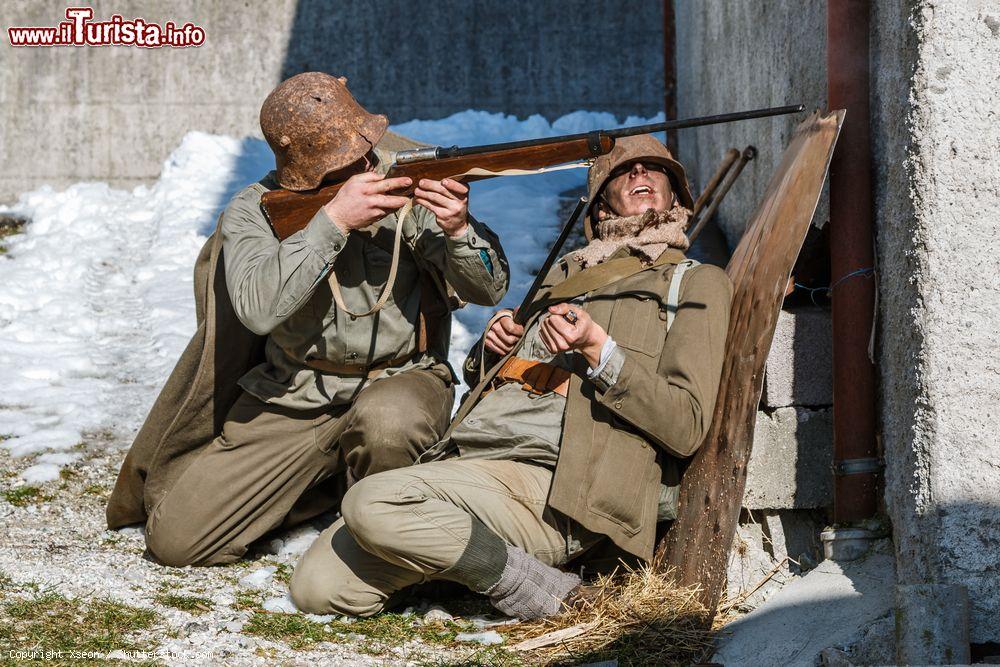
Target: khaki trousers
[
  {"x": 407, "y": 526},
  {"x": 273, "y": 467}
]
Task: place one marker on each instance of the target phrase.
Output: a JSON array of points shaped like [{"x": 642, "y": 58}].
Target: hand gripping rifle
[{"x": 290, "y": 211}]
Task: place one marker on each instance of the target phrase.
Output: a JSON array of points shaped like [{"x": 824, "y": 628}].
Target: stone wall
[{"x": 114, "y": 113}]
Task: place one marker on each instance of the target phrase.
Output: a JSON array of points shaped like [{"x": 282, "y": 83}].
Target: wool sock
[{"x": 528, "y": 588}]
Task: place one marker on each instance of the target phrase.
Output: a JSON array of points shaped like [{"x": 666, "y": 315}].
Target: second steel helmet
[
  {"x": 628, "y": 149},
  {"x": 315, "y": 127}
]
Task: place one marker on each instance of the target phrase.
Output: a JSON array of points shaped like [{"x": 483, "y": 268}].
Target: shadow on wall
[{"x": 429, "y": 60}]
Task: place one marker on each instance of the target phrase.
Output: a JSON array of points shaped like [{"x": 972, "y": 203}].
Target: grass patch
[
  {"x": 49, "y": 622},
  {"x": 299, "y": 632},
  {"x": 490, "y": 656},
  {"x": 95, "y": 490},
  {"x": 24, "y": 495},
  {"x": 283, "y": 573},
  {"x": 192, "y": 604},
  {"x": 246, "y": 600}
]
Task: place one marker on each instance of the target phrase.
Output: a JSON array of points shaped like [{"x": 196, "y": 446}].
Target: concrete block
[
  {"x": 790, "y": 462},
  {"x": 932, "y": 624},
  {"x": 799, "y": 368}
]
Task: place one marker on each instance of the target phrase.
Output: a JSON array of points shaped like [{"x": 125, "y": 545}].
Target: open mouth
[{"x": 641, "y": 191}]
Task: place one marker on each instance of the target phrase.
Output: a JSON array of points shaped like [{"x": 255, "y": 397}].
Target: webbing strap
[
  {"x": 387, "y": 290},
  {"x": 674, "y": 293}
]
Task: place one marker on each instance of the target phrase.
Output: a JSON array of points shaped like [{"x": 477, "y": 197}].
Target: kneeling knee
[
  {"x": 175, "y": 544},
  {"x": 322, "y": 585}
]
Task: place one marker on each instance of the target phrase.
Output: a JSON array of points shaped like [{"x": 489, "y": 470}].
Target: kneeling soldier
[
  {"x": 339, "y": 394},
  {"x": 576, "y": 433}
]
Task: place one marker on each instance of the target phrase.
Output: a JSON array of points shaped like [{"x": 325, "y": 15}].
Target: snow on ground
[{"x": 96, "y": 302}]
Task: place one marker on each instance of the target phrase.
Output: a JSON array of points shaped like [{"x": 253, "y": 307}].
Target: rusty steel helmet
[
  {"x": 643, "y": 147},
  {"x": 315, "y": 127}
]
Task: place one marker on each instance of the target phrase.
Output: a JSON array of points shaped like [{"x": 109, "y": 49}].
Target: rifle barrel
[
  {"x": 440, "y": 152},
  {"x": 703, "y": 120}
]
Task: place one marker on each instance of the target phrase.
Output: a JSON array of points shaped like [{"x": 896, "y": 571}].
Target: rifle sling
[{"x": 596, "y": 277}]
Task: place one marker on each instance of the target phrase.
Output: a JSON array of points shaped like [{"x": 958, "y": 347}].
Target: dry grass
[{"x": 640, "y": 617}]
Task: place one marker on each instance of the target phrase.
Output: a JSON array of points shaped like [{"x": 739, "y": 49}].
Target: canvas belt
[
  {"x": 357, "y": 371},
  {"x": 535, "y": 377}
]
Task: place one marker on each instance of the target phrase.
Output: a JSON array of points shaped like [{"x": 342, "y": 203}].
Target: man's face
[{"x": 635, "y": 187}]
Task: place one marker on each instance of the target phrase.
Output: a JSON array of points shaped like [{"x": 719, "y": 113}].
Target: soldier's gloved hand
[
  {"x": 362, "y": 200},
  {"x": 569, "y": 327},
  {"x": 448, "y": 200},
  {"x": 504, "y": 334}
]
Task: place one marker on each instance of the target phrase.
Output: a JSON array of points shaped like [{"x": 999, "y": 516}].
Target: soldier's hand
[
  {"x": 448, "y": 200},
  {"x": 569, "y": 327},
  {"x": 364, "y": 200},
  {"x": 504, "y": 334}
]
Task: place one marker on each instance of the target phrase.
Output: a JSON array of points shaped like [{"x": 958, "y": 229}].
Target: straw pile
[{"x": 639, "y": 617}]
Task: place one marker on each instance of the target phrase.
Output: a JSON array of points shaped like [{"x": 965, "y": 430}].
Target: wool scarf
[{"x": 646, "y": 236}]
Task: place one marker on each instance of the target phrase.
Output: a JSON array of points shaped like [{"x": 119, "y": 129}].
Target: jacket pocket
[
  {"x": 638, "y": 323},
  {"x": 620, "y": 484}
]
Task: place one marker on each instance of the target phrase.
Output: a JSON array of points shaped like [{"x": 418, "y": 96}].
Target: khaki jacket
[{"x": 617, "y": 446}]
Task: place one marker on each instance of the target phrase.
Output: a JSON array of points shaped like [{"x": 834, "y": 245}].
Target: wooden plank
[{"x": 712, "y": 488}]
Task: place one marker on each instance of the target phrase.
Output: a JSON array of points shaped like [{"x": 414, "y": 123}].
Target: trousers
[
  {"x": 411, "y": 525},
  {"x": 273, "y": 467}
]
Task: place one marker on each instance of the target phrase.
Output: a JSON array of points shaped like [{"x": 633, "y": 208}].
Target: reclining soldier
[
  {"x": 338, "y": 395},
  {"x": 575, "y": 434}
]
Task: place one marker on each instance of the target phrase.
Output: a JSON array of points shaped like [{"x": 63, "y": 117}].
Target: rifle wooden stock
[{"x": 290, "y": 211}]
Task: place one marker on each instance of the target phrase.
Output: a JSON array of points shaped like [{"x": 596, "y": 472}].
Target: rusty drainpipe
[{"x": 855, "y": 454}]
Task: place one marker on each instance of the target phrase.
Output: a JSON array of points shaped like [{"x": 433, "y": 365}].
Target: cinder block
[
  {"x": 799, "y": 369},
  {"x": 790, "y": 465}
]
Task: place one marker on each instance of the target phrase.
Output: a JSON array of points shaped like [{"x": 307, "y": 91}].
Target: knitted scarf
[{"x": 646, "y": 236}]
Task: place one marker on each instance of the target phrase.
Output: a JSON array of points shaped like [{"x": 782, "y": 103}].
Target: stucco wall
[
  {"x": 937, "y": 148},
  {"x": 114, "y": 113}
]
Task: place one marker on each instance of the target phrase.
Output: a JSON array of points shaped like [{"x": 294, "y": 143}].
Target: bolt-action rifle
[{"x": 290, "y": 211}]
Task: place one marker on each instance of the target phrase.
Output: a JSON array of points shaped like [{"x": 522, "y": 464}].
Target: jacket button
[
  {"x": 336, "y": 246},
  {"x": 618, "y": 404}
]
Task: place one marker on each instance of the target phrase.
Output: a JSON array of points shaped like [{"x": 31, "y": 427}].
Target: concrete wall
[
  {"x": 114, "y": 113},
  {"x": 747, "y": 55},
  {"x": 937, "y": 147}
]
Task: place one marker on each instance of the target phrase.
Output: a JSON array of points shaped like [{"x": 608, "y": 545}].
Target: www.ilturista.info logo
[{"x": 79, "y": 30}]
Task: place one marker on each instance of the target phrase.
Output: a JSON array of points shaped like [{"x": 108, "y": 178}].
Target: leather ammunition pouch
[{"x": 535, "y": 377}]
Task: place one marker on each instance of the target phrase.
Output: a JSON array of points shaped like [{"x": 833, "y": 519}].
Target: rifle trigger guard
[{"x": 594, "y": 143}]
